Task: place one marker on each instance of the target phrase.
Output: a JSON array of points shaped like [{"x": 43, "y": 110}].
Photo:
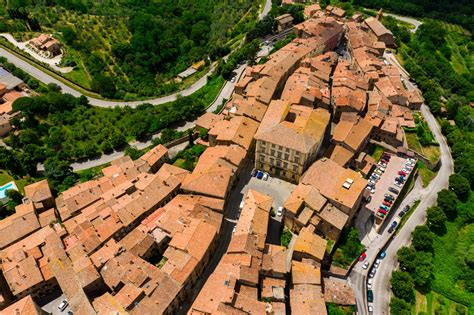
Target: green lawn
[
  {"x": 431, "y": 152},
  {"x": 335, "y": 309},
  {"x": 407, "y": 215},
  {"x": 450, "y": 251},
  {"x": 435, "y": 303},
  {"x": 5, "y": 177},
  {"x": 426, "y": 174},
  {"x": 378, "y": 151}
]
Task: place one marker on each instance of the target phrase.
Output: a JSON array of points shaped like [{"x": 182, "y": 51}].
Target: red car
[
  {"x": 386, "y": 203},
  {"x": 402, "y": 173},
  {"x": 382, "y": 211},
  {"x": 362, "y": 256}
]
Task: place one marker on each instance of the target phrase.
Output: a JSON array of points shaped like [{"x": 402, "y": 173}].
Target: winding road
[
  {"x": 40, "y": 75},
  {"x": 427, "y": 197},
  {"x": 407, "y": 19}
]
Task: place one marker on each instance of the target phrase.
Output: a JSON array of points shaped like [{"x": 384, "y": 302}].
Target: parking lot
[
  {"x": 279, "y": 190},
  {"x": 382, "y": 184},
  {"x": 52, "y": 302}
]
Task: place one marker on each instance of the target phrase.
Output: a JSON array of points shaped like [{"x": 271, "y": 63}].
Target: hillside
[{"x": 130, "y": 48}]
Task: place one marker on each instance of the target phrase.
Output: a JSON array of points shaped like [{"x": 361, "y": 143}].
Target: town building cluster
[
  {"x": 11, "y": 88},
  {"x": 140, "y": 239}
]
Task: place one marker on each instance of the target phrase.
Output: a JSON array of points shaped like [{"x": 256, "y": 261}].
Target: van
[{"x": 63, "y": 305}]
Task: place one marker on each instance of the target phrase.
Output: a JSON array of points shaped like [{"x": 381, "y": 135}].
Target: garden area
[
  {"x": 334, "y": 309},
  {"x": 421, "y": 139},
  {"x": 188, "y": 157},
  {"x": 348, "y": 248}
]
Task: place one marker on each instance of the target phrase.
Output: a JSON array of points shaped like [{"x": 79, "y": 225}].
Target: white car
[
  {"x": 372, "y": 273},
  {"x": 398, "y": 184},
  {"x": 265, "y": 176},
  {"x": 280, "y": 211},
  {"x": 233, "y": 230},
  {"x": 63, "y": 305},
  {"x": 377, "y": 263},
  {"x": 365, "y": 265},
  {"x": 371, "y": 309},
  {"x": 369, "y": 283},
  {"x": 233, "y": 80},
  {"x": 242, "y": 204}
]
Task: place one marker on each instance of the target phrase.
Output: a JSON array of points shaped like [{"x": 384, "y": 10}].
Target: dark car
[
  {"x": 392, "y": 227},
  {"x": 370, "y": 296},
  {"x": 401, "y": 213},
  {"x": 253, "y": 173},
  {"x": 382, "y": 255},
  {"x": 388, "y": 196},
  {"x": 259, "y": 175},
  {"x": 393, "y": 190},
  {"x": 407, "y": 207}
]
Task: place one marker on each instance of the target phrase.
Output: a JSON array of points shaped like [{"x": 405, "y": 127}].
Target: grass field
[
  {"x": 432, "y": 152},
  {"x": 378, "y": 151},
  {"x": 5, "y": 177},
  {"x": 334, "y": 309},
  {"x": 435, "y": 303},
  {"x": 426, "y": 174}
]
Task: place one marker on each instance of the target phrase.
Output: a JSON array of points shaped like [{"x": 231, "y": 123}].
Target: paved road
[
  {"x": 410, "y": 20},
  {"x": 266, "y": 9},
  {"x": 428, "y": 195},
  {"x": 46, "y": 78},
  {"x": 52, "y": 62}
]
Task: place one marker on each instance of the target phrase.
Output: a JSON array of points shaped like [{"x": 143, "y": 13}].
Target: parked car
[
  {"x": 259, "y": 174},
  {"x": 280, "y": 211},
  {"x": 407, "y": 207},
  {"x": 389, "y": 200},
  {"x": 383, "y": 211},
  {"x": 233, "y": 79},
  {"x": 253, "y": 173},
  {"x": 382, "y": 254},
  {"x": 365, "y": 265},
  {"x": 402, "y": 173},
  {"x": 398, "y": 184},
  {"x": 372, "y": 191},
  {"x": 368, "y": 199},
  {"x": 371, "y": 308},
  {"x": 371, "y": 183},
  {"x": 389, "y": 196},
  {"x": 372, "y": 273},
  {"x": 386, "y": 203},
  {"x": 393, "y": 190},
  {"x": 62, "y": 306},
  {"x": 376, "y": 263},
  {"x": 233, "y": 230},
  {"x": 369, "y": 283},
  {"x": 392, "y": 227},
  {"x": 384, "y": 207},
  {"x": 370, "y": 296},
  {"x": 265, "y": 176},
  {"x": 362, "y": 256},
  {"x": 401, "y": 213},
  {"x": 386, "y": 156},
  {"x": 242, "y": 203},
  {"x": 378, "y": 171}
]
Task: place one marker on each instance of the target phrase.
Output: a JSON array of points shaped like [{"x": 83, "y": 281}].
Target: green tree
[
  {"x": 133, "y": 153},
  {"x": 407, "y": 258},
  {"x": 399, "y": 306},
  {"x": 422, "y": 238},
  {"x": 448, "y": 201},
  {"x": 59, "y": 173},
  {"x": 14, "y": 195},
  {"x": 423, "y": 272},
  {"x": 460, "y": 186},
  {"x": 403, "y": 286},
  {"x": 436, "y": 220}
]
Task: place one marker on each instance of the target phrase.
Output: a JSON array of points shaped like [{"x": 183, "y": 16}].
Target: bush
[{"x": 285, "y": 238}]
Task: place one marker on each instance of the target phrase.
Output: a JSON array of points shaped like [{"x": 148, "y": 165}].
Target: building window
[
  {"x": 295, "y": 168},
  {"x": 262, "y": 157},
  {"x": 287, "y": 150},
  {"x": 285, "y": 165},
  {"x": 272, "y": 152},
  {"x": 297, "y": 153},
  {"x": 272, "y": 161},
  {"x": 287, "y": 156},
  {"x": 297, "y": 159},
  {"x": 278, "y": 163},
  {"x": 273, "y": 145},
  {"x": 279, "y": 155},
  {"x": 280, "y": 148}
]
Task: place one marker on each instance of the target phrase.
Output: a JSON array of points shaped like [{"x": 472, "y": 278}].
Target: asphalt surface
[
  {"x": 46, "y": 78},
  {"x": 416, "y": 23},
  {"x": 427, "y": 197}
]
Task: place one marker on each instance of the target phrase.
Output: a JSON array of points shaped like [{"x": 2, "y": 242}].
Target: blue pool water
[{"x": 4, "y": 188}]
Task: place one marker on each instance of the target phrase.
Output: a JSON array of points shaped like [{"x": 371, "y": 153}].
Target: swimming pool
[{"x": 7, "y": 186}]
